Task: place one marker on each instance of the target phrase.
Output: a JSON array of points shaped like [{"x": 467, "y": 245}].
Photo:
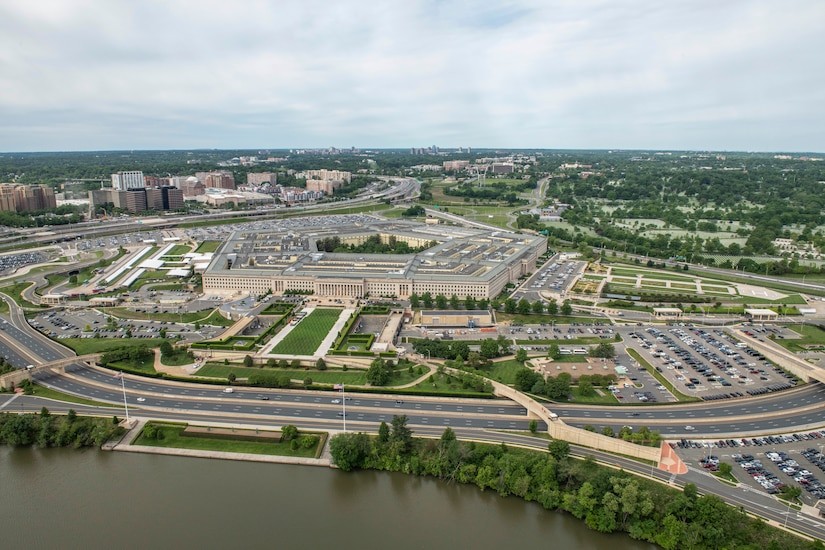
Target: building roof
[{"x": 761, "y": 312}]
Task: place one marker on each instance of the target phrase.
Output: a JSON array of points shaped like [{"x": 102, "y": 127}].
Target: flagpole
[
  {"x": 344, "y": 404},
  {"x": 125, "y": 404}
]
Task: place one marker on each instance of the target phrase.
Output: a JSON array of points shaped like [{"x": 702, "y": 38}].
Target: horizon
[{"x": 87, "y": 75}]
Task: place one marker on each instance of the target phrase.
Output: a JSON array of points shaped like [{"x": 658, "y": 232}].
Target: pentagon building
[{"x": 458, "y": 260}]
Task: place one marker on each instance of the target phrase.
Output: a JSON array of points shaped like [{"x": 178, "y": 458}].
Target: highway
[{"x": 753, "y": 501}]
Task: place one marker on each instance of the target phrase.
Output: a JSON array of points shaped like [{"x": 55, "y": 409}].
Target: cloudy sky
[{"x": 117, "y": 74}]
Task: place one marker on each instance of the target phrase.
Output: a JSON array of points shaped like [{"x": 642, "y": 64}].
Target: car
[
  {"x": 336, "y": 401},
  {"x": 229, "y": 390},
  {"x": 264, "y": 398},
  {"x": 689, "y": 428},
  {"x": 634, "y": 414},
  {"x": 141, "y": 399},
  {"x": 399, "y": 402}
]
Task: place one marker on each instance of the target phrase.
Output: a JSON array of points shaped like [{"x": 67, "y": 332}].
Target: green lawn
[
  {"x": 177, "y": 359},
  {"x": 208, "y": 246},
  {"x": 15, "y": 292},
  {"x": 146, "y": 366},
  {"x": 811, "y": 336},
  {"x": 172, "y": 438},
  {"x": 82, "y": 346},
  {"x": 329, "y": 376},
  {"x": 178, "y": 250},
  {"x": 307, "y": 335},
  {"x": 557, "y": 319},
  {"x": 438, "y": 383},
  {"x": 504, "y": 371}
]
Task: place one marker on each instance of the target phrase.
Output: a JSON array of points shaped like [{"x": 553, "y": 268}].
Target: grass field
[
  {"x": 812, "y": 336},
  {"x": 83, "y": 346},
  {"x": 504, "y": 371},
  {"x": 307, "y": 335},
  {"x": 178, "y": 250},
  {"x": 171, "y": 437},
  {"x": 329, "y": 376},
  {"x": 439, "y": 383},
  {"x": 205, "y": 317},
  {"x": 208, "y": 246}
]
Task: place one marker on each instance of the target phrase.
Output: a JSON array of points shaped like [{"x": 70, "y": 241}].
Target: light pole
[{"x": 125, "y": 404}]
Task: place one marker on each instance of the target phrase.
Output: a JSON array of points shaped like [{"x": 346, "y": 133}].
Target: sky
[{"x": 577, "y": 74}]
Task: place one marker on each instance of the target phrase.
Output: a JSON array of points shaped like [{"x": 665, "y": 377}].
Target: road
[{"x": 754, "y": 502}]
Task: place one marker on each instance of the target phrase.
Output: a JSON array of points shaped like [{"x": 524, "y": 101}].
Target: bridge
[{"x": 12, "y": 379}]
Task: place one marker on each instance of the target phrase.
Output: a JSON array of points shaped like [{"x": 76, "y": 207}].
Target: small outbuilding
[{"x": 759, "y": 314}]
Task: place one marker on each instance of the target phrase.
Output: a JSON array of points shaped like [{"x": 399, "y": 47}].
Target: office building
[{"x": 124, "y": 181}]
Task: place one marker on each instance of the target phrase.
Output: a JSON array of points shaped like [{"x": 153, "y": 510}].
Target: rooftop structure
[{"x": 458, "y": 260}]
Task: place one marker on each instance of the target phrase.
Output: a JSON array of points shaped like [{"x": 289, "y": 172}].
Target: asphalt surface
[{"x": 751, "y": 500}]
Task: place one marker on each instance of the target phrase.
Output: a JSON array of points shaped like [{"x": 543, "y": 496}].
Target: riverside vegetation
[
  {"x": 47, "y": 430},
  {"x": 607, "y": 500}
]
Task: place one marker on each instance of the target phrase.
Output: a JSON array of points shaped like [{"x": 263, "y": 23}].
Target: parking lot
[
  {"x": 766, "y": 463},
  {"x": 9, "y": 263},
  {"x": 708, "y": 363},
  {"x": 557, "y": 275},
  {"x": 93, "y": 324}
]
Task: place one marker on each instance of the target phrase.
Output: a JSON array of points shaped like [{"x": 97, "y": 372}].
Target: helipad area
[{"x": 458, "y": 260}]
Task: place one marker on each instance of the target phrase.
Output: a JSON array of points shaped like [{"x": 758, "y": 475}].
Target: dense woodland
[{"x": 607, "y": 500}]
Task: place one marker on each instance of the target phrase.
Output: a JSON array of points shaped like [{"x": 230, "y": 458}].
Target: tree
[
  {"x": 401, "y": 434},
  {"x": 320, "y": 364},
  {"x": 586, "y": 389},
  {"x": 383, "y": 433},
  {"x": 559, "y": 449},
  {"x": 510, "y": 306},
  {"x": 415, "y": 302},
  {"x": 379, "y": 373},
  {"x": 538, "y": 307},
  {"x": 427, "y": 299},
  {"x": 454, "y": 303},
  {"x": 289, "y": 432},
  {"x": 441, "y": 301},
  {"x": 295, "y": 364},
  {"x": 554, "y": 352},
  {"x": 166, "y": 348},
  {"x": 307, "y": 382},
  {"x": 349, "y": 450},
  {"x": 604, "y": 349},
  {"x": 566, "y": 308},
  {"x": 488, "y": 348},
  {"x": 552, "y": 307},
  {"x": 523, "y": 306},
  {"x": 247, "y": 361},
  {"x": 525, "y": 379},
  {"x": 469, "y": 303},
  {"x": 521, "y": 355},
  {"x": 231, "y": 377},
  {"x": 533, "y": 426},
  {"x": 162, "y": 333},
  {"x": 71, "y": 416}
]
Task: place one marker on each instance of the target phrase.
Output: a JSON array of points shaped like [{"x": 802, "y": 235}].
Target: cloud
[{"x": 86, "y": 74}]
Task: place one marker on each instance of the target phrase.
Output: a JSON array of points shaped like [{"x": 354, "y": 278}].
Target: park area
[{"x": 307, "y": 335}]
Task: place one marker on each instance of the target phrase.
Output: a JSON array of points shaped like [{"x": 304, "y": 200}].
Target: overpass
[
  {"x": 784, "y": 358},
  {"x": 12, "y": 379}
]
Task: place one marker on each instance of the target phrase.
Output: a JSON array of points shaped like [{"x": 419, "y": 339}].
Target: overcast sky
[{"x": 658, "y": 74}]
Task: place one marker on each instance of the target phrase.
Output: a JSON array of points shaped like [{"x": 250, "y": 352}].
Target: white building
[{"x": 124, "y": 181}]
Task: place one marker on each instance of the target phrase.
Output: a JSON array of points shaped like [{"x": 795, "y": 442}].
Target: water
[{"x": 92, "y": 499}]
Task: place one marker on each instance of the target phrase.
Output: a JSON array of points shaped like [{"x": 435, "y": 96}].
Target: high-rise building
[
  {"x": 124, "y": 181},
  {"x": 133, "y": 200},
  {"x": 7, "y": 202},
  {"x": 154, "y": 199},
  {"x": 259, "y": 178},
  {"x": 221, "y": 179},
  {"x": 26, "y": 198},
  {"x": 325, "y": 174}
]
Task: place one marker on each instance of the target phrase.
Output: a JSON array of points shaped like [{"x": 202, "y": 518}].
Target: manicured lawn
[
  {"x": 176, "y": 359},
  {"x": 146, "y": 366},
  {"x": 41, "y": 391},
  {"x": 329, "y": 376},
  {"x": 178, "y": 250},
  {"x": 504, "y": 371},
  {"x": 811, "y": 336},
  {"x": 437, "y": 383},
  {"x": 557, "y": 319},
  {"x": 172, "y": 438},
  {"x": 82, "y": 346},
  {"x": 307, "y": 335},
  {"x": 607, "y": 399},
  {"x": 208, "y": 246},
  {"x": 15, "y": 292}
]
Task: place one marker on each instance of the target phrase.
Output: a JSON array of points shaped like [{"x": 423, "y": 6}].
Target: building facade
[{"x": 124, "y": 181}]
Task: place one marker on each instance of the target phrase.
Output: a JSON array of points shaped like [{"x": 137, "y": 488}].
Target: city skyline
[{"x": 87, "y": 75}]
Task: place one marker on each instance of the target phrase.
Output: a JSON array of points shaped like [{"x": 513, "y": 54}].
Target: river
[{"x": 61, "y": 498}]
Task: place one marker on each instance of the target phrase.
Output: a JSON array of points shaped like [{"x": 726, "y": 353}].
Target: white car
[
  {"x": 689, "y": 428},
  {"x": 336, "y": 401},
  {"x": 141, "y": 399},
  {"x": 229, "y": 390}
]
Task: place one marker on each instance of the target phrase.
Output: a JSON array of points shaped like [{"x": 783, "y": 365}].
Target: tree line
[
  {"x": 47, "y": 430},
  {"x": 607, "y": 500}
]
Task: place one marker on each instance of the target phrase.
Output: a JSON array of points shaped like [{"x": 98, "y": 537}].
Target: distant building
[
  {"x": 124, "y": 181},
  {"x": 327, "y": 187},
  {"x": 164, "y": 198},
  {"x": 260, "y": 178},
  {"x": 455, "y": 165},
  {"x": 502, "y": 168},
  {"x": 192, "y": 187},
  {"x": 26, "y": 198},
  {"x": 330, "y": 175},
  {"x": 220, "y": 179},
  {"x": 133, "y": 200}
]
